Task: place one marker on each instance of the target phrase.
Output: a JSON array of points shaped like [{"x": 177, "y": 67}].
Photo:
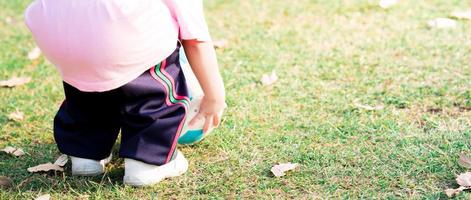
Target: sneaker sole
[
  {"x": 100, "y": 169},
  {"x": 87, "y": 173},
  {"x": 136, "y": 182}
]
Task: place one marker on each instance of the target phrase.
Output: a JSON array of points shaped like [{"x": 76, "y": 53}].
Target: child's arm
[{"x": 202, "y": 59}]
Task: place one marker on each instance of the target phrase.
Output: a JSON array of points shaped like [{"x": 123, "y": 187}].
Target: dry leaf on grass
[
  {"x": 357, "y": 104},
  {"x": 15, "y": 81},
  {"x": 464, "y": 179},
  {"x": 8, "y": 20},
  {"x": 220, "y": 44},
  {"x": 387, "y": 3},
  {"x": 5, "y": 182},
  {"x": 34, "y": 53},
  {"x": 464, "y": 161},
  {"x": 442, "y": 23},
  {"x": 16, "y": 116},
  {"x": 61, "y": 160},
  {"x": 462, "y": 15},
  {"x": 45, "y": 168},
  {"x": 269, "y": 79},
  {"x": 453, "y": 192},
  {"x": 13, "y": 151},
  {"x": 279, "y": 170},
  {"x": 43, "y": 197},
  {"x": 83, "y": 197}
]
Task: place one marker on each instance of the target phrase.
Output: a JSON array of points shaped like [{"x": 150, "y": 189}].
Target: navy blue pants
[{"x": 149, "y": 111}]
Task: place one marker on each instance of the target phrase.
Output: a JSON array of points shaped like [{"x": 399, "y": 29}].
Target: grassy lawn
[{"x": 327, "y": 54}]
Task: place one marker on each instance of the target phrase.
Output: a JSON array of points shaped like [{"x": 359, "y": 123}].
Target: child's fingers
[
  {"x": 196, "y": 119},
  {"x": 207, "y": 123},
  {"x": 216, "y": 120}
]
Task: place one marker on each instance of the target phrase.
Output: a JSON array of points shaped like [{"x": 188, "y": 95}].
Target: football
[{"x": 192, "y": 134}]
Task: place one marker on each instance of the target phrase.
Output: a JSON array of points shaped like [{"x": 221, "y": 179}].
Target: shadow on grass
[{"x": 56, "y": 182}]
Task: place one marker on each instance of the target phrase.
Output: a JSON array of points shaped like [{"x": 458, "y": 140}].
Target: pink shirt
[{"x": 100, "y": 45}]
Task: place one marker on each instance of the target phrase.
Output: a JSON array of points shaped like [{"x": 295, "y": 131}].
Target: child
[{"x": 119, "y": 61}]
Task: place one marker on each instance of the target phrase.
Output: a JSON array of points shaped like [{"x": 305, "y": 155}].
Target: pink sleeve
[{"x": 190, "y": 17}]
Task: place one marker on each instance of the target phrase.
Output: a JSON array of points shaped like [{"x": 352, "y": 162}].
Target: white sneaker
[
  {"x": 138, "y": 173},
  {"x": 88, "y": 167}
]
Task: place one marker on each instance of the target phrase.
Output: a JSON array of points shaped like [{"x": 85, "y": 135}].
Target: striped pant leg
[{"x": 154, "y": 112}]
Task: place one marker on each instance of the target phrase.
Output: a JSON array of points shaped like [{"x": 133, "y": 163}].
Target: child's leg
[
  {"x": 87, "y": 123},
  {"x": 154, "y": 113}
]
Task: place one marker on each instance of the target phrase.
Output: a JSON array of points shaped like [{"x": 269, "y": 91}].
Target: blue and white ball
[{"x": 192, "y": 134}]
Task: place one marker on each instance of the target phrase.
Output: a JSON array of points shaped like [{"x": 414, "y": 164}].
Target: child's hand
[
  {"x": 210, "y": 111},
  {"x": 203, "y": 62}
]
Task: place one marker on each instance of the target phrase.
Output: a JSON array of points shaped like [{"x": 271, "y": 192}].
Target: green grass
[{"x": 327, "y": 54}]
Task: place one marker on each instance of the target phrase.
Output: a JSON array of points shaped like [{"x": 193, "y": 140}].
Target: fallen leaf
[
  {"x": 43, "y": 197},
  {"x": 464, "y": 109},
  {"x": 13, "y": 151},
  {"x": 279, "y": 170},
  {"x": 435, "y": 110},
  {"x": 45, "y": 168},
  {"x": 219, "y": 44},
  {"x": 61, "y": 160},
  {"x": 464, "y": 161},
  {"x": 19, "y": 152},
  {"x": 83, "y": 197},
  {"x": 269, "y": 79},
  {"x": 16, "y": 116},
  {"x": 8, "y": 20},
  {"x": 442, "y": 23},
  {"x": 453, "y": 192},
  {"x": 34, "y": 53},
  {"x": 462, "y": 15},
  {"x": 387, "y": 3},
  {"x": 464, "y": 179},
  {"x": 5, "y": 182},
  {"x": 15, "y": 81},
  {"x": 357, "y": 104}
]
